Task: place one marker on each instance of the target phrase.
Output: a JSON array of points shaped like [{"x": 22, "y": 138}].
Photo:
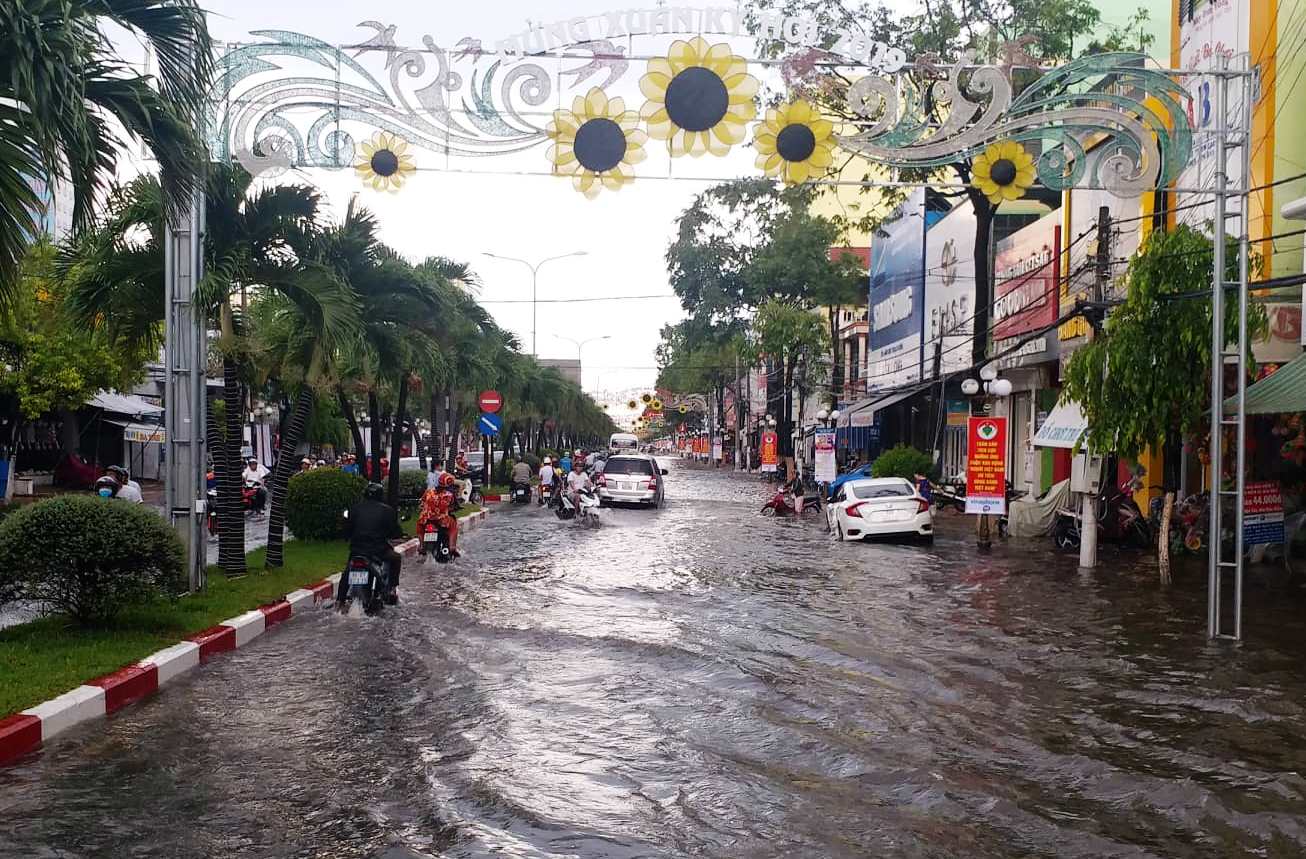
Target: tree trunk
[
  {"x": 292, "y": 433},
  {"x": 836, "y": 368},
  {"x": 455, "y": 433},
  {"x": 231, "y": 507},
  {"x": 983, "y": 274},
  {"x": 1163, "y": 539},
  {"x": 374, "y": 415},
  {"x": 355, "y": 432},
  {"x": 396, "y": 441}
]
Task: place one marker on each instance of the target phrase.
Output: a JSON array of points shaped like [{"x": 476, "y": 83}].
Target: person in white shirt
[
  {"x": 254, "y": 472},
  {"x": 130, "y": 489},
  {"x": 577, "y": 482},
  {"x": 254, "y": 475}
]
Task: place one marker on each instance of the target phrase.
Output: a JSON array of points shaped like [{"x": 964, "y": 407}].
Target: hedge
[
  {"x": 316, "y": 501},
  {"x": 902, "y": 461}
]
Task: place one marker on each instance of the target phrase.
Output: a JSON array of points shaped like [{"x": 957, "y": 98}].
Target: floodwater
[{"x": 699, "y": 681}]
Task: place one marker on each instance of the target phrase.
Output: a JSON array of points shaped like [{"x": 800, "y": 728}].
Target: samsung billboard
[
  {"x": 950, "y": 291},
  {"x": 897, "y": 297}
]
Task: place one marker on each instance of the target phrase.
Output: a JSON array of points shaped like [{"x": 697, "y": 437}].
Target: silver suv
[{"x": 632, "y": 478}]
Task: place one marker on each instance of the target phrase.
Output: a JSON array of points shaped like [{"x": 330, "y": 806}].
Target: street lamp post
[
  {"x": 535, "y": 283},
  {"x": 580, "y": 348}
]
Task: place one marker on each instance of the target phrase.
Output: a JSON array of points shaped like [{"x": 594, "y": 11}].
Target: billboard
[
  {"x": 1026, "y": 266},
  {"x": 897, "y": 297},
  {"x": 950, "y": 291}
]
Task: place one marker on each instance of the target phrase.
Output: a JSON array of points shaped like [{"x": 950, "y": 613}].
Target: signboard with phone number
[{"x": 986, "y": 466}]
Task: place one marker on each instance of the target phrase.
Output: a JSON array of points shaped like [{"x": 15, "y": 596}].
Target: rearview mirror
[{"x": 665, "y": 472}]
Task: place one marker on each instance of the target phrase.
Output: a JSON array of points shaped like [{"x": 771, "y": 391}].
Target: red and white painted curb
[{"x": 27, "y": 731}]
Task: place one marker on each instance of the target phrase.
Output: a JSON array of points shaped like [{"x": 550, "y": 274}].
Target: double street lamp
[{"x": 535, "y": 283}]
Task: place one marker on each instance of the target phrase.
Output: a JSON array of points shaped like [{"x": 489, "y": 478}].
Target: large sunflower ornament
[
  {"x": 794, "y": 142},
  {"x": 1003, "y": 171},
  {"x": 597, "y": 143},
  {"x": 700, "y": 98},
  {"x": 383, "y": 164}
]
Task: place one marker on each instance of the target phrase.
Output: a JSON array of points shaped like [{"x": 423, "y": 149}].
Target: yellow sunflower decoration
[
  {"x": 632, "y": 405},
  {"x": 700, "y": 98},
  {"x": 383, "y": 163},
  {"x": 656, "y": 405},
  {"x": 646, "y": 399},
  {"x": 684, "y": 410},
  {"x": 794, "y": 142},
  {"x": 597, "y": 143},
  {"x": 1003, "y": 171}
]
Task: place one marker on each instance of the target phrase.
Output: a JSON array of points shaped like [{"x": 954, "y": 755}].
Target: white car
[{"x": 880, "y": 507}]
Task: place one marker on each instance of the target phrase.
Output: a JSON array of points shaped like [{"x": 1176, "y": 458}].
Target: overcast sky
[{"x": 463, "y": 214}]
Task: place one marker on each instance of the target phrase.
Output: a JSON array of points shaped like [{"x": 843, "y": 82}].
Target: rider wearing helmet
[
  {"x": 370, "y": 526},
  {"x": 546, "y": 476},
  {"x": 108, "y": 486},
  {"x": 129, "y": 489},
  {"x": 449, "y": 486}
]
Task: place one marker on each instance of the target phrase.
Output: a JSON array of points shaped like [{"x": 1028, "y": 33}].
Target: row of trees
[{"x": 754, "y": 271}]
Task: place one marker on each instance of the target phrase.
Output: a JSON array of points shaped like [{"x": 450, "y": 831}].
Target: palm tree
[
  {"x": 117, "y": 272},
  {"x": 66, "y": 91}
]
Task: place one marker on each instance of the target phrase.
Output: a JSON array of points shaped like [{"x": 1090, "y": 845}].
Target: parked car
[
  {"x": 632, "y": 478},
  {"x": 880, "y": 507}
]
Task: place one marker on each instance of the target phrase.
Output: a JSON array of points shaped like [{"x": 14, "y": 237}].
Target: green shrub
[
  {"x": 89, "y": 557},
  {"x": 412, "y": 483},
  {"x": 902, "y": 461},
  {"x": 316, "y": 500}
]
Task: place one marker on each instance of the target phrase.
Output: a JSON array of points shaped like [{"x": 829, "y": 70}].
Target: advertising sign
[
  {"x": 826, "y": 467},
  {"x": 1027, "y": 299},
  {"x": 958, "y": 413},
  {"x": 950, "y": 291},
  {"x": 897, "y": 297},
  {"x": 716, "y": 450},
  {"x": 1263, "y": 514},
  {"x": 986, "y": 466},
  {"x": 770, "y": 451}
]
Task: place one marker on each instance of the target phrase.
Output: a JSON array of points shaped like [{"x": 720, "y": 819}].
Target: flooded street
[{"x": 699, "y": 681}]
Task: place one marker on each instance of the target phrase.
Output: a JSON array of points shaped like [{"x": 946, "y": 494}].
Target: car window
[
  {"x": 628, "y": 466},
  {"x": 866, "y": 492}
]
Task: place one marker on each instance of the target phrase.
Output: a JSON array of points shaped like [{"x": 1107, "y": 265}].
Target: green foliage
[
  {"x": 902, "y": 461},
  {"x": 88, "y": 557},
  {"x": 55, "y": 362},
  {"x": 782, "y": 329},
  {"x": 327, "y": 425},
  {"x": 316, "y": 500},
  {"x": 1149, "y": 374},
  {"x": 412, "y": 483}
]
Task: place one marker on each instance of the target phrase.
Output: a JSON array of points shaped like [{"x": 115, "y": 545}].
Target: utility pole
[
  {"x": 185, "y": 357},
  {"x": 1101, "y": 276}
]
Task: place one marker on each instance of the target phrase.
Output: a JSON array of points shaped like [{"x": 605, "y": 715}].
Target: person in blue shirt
[
  {"x": 565, "y": 463},
  {"x": 924, "y": 488},
  {"x": 350, "y": 465}
]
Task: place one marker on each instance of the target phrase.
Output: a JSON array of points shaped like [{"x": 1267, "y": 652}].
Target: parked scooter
[
  {"x": 783, "y": 503},
  {"x": 1119, "y": 520}
]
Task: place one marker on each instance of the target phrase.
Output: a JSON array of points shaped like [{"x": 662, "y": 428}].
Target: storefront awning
[
  {"x": 142, "y": 433},
  {"x": 1282, "y": 391},
  {"x": 1063, "y": 428},
  {"x": 124, "y": 404},
  {"x": 863, "y": 414}
]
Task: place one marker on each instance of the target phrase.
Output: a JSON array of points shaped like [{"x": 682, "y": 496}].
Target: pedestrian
[
  {"x": 924, "y": 488},
  {"x": 350, "y": 464}
]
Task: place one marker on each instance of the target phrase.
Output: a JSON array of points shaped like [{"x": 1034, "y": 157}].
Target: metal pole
[
  {"x": 185, "y": 359},
  {"x": 1217, "y": 360},
  {"x": 1244, "y": 139},
  {"x": 535, "y": 291}
]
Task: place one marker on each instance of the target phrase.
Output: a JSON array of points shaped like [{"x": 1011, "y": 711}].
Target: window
[
  {"x": 628, "y": 467},
  {"x": 884, "y": 490}
]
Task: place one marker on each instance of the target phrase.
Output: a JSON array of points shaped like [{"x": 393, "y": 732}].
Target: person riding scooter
[
  {"x": 370, "y": 525},
  {"x": 437, "y": 509},
  {"x": 450, "y": 504},
  {"x": 546, "y": 479},
  {"x": 521, "y": 475}
]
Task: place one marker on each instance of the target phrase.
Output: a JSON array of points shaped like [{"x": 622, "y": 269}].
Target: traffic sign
[
  {"x": 489, "y": 424},
  {"x": 490, "y": 401}
]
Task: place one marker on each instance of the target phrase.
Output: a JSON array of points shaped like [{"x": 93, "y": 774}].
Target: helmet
[
  {"x": 446, "y": 479},
  {"x": 118, "y": 472},
  {"x": 107, "y": 487},
  {"x": 374, "y": 492},
  {"x": 548, "y": 461}
]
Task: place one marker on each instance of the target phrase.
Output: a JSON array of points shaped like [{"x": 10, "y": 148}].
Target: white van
[{"x": 623, "y": 442}]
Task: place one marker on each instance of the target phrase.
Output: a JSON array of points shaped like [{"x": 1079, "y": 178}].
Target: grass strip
[{"x": 47, "y": 657}]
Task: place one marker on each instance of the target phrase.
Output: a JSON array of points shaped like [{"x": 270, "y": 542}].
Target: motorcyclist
[
  {"x": 436, "y": 506},
  {"x": 546, "y": 476},
  {"x": 129, "y": 489},
  {"x": 253, "y": 475},
  {"x": 370, "y": 526},
  {"x": 108, "y": 486},
  {"x": 578, "y": 481},
  {"x": 521, "y": 474},
  {"x": 452, "y": 501}
]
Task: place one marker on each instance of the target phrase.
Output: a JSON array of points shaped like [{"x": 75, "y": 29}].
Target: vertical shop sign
[
  {"x": 826, "y": 468},
  {"x": 986, "y": 466},
  {"x": 1263, "y": 514}
]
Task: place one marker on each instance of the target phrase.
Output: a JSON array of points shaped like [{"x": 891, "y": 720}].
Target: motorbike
[
  {"x": 546, "y": 495},
  {"x": 784, "y": 504},
  {"x": 587, "y": 512},
  {"x": 521, "y": 493},
  {"x": 248, "y": 493},
  {"x": 435, "y": 543},
  {"x": 472, "y": 482},
  {"x": 367, "y": 583},
  {"x": 1119, "y": 519}
]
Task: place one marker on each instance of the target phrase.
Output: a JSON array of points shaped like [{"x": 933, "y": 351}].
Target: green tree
[
  {"x": 67, "y": 90},
  {"x": 790, "y": 336},
  {"x": 51, "y": 364},
  {"x": 1145, "y": 379}
]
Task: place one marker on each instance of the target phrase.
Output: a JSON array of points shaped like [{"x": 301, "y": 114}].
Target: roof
[
  {"x": 1282, "y": 391},
  {"x": 877, "y": 481},
  {"x": 124, "y": 404}
]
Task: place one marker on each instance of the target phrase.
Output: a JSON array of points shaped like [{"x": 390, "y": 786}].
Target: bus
[{"x": 623, "y": 442}]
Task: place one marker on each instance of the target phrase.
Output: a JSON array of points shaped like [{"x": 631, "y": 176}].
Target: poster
[
  {"x": 1262, "y": 514},
  {"x": 716, "y": 450},
  {"x": 986, "y": 466},
  {"x": 826, "y": 467},
  {"x": 1026, "y": 286},
  {"x": 770, "y": 451}
]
